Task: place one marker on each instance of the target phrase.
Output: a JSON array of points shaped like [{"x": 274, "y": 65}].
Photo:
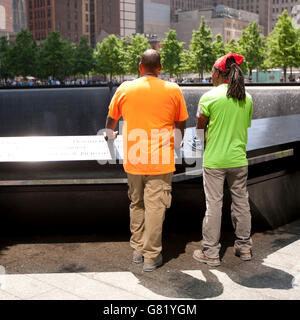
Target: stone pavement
[{"x": 99, "y": 267}]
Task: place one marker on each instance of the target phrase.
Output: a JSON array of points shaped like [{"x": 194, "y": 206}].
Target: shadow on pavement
[
  {"x": 172, "y": 282},
  {"x": 110, "y": 252}
]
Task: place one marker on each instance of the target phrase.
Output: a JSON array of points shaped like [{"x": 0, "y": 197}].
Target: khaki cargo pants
[
  {"x": 150, "y": 196},
  {"x": 213, "y": 181}
]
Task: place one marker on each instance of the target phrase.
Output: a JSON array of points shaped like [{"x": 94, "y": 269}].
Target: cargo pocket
[{"x": 167, "y": 196}]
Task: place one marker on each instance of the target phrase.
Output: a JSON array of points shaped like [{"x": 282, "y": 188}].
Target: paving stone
[
  {"x": 56, "y": 294},
  {"x": 84, "y": 287},
  {"x": 25, "y": 287}
]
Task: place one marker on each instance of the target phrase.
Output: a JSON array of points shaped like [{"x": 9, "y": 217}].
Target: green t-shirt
[{"x": 227, "y": 135}]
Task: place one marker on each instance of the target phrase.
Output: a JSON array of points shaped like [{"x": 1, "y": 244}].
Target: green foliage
[
  {"x": 171, "y": 54},
  {"x": 186, "y": 61},
  {"x": 24, "y": 55},
  {"x": 134, "y": 48},
  {"x": 5, "y": 59},
  {"x": 202, "y": 51},
  {"x": 252, "y": 47},
  {"x": 233, "y": 46},
  {"x": 110, "y": 57},
  {"x": 83, "y": 57},
  {"x": 284, "y": 44},
  {"x": 60, "y": 58},
  {"x": 70, "y": 62},
  {"x": 56, "y": 57},
  {"x": 218, "y": 46}
]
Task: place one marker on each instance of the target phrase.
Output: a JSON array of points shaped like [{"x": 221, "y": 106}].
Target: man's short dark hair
[{"x": 150, "y": 59}]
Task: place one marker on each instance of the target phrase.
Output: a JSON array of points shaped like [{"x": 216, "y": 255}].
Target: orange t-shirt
[{"x": 149, "y": 107}]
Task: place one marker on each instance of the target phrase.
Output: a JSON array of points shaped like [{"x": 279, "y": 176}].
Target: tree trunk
[
  {"x": 256, "y": 75},
  {"x": 250, "y": 74},
  {"x": 291, "y": 74},
  {"x": 284, "y": 74}
]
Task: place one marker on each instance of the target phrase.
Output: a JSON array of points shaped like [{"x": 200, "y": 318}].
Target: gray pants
[{"x": 213, "y": 181}]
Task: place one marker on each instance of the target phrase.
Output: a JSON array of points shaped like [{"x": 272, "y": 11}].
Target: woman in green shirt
[{"x": 226, "y": 112}]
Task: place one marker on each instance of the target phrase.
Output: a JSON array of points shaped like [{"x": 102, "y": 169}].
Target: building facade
[
  {"x": 107, "y": 18},
  {"x": 296, "y": 16},
  {"x": 277, "y": 7},
  {"x": 187, "y": 5},
  {"x": 156, "y": 18},
  {"x": 74, "y": 18},
  {"x": 128, "y": 16},
  {"x": 19, "y": 15},
  {"x": 260, "y": 7},
  {"x": 222, "y": 20},
  {"x": 6, "y": 17},
  {"x": 44, "y": 16},
  {"x": 12, "y": 16},
  {"x": 256, "y": 6},
  {"x": 268, "y": 10}
]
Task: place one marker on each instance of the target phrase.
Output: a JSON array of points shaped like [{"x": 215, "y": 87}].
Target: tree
[
  {"x": 5, "y": 63},
  {"x": 69, "y": 66},
  {"x": 218, "y": 46},
  {"x": 24, "y": 54},
  {"x": 202, "y": 53},
  {"x": 136, "y": 45},
  {"x": 252, "y": 48},
  {"x": 233, "y": 46},
  {"x": 185, "y": 61},
  {"x": 171, "y": 54},
  {"x": 284, "y": 44},
  {"x": 83, "y": 57},
  {"x": 56, "y": 56},
  {"x": 110, "y": 57}
]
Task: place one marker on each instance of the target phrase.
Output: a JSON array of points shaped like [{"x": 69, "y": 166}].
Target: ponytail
[{"x": 236, "y": 82}]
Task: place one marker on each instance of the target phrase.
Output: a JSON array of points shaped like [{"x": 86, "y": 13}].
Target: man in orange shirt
[{"x": 151, "y": 109}]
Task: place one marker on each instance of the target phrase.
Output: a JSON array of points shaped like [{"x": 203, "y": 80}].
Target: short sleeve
[
  {"x": 250, "y": 114},
  {"x": 115, "y": 107},
  {"x": 204, "y": 106},
  {"x": 181, "y": 110}
]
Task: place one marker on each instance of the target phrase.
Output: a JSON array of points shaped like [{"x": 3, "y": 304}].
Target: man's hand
[
  {"x": 110, "y": 126},
  {"x": 179, "y": 133},
  {"x": 110, "y": 135}
]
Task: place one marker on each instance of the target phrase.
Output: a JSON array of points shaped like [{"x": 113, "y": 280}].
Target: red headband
[{"x": 221, "y": 62}]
